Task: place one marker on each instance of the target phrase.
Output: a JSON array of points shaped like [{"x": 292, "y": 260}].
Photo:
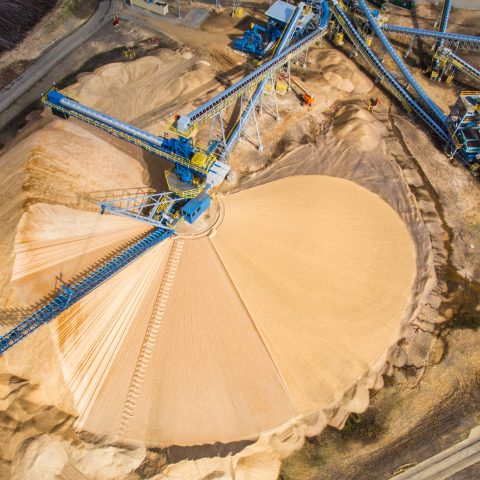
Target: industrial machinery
[
  {"x": 423, "y": 105},
  {"x": 464, "y": 127},
  {"x": 195, "y": 170},
  {"x": 258, "y": 41},
  {"x": 307, "y": 97}
]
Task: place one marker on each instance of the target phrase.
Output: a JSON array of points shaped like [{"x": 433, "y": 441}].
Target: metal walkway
[{"x": 72, "y": 293}]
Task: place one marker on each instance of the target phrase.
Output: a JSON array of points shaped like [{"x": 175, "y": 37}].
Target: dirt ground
[{"x": 430, "y": 393}]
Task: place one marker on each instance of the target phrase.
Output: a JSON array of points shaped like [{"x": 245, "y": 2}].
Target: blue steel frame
[{"x": 73, "y": 293}]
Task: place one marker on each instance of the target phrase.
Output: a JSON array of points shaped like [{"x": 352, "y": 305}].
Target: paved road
[
  {"x": 448, "y": 462},
  {"x": 35, "y": 72}
]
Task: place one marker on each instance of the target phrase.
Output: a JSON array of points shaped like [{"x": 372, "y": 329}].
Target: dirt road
[{"x": 27, "y": 88}]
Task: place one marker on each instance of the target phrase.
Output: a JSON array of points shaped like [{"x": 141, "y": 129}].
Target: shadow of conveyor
[
  {"x": 176, "y": 453},
  {"x": 424, "y": 52}
]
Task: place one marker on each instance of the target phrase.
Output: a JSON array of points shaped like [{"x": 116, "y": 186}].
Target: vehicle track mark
[{"x": 151, "y": 336}]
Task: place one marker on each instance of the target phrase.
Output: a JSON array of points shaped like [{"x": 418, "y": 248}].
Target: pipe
[{"x": 110, "y": 121}]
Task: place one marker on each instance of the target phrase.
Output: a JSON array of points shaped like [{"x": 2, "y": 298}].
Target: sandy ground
[{"x": 168, "y": 335}]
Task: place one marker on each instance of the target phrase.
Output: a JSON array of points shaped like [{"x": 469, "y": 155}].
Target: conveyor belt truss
[
  {"x": 72, "y": 293},
  {"x": 446, "y": 55},
  {"x": 462, "y": 41}
]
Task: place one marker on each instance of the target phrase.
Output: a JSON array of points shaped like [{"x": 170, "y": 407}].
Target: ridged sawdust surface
[
  {"x": 287, "y": 303},
  {"x": 54, "y": 238}
]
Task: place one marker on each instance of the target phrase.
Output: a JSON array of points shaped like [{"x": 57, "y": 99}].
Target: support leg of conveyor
[
  {"x": 268, "y": 101},
  {"x": 249, "y": 130},
  {"x": 217, "y": 130}
]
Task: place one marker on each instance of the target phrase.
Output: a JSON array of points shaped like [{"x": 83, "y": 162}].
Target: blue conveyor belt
[
  {"x": 78, "y": 290},
  {"x": 386, "y": 77},
  {"x": 440, "y": 116},
  {"x": 453, "y": 37},
  {"x": 289, "y": 30},
  {"x": 447, "y": 6},
  {"x": 71, "y": 107},
  {"x": 177, "y": 151}
]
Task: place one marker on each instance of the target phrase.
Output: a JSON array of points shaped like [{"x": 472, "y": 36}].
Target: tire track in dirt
[{"x": 151, "y": 335}]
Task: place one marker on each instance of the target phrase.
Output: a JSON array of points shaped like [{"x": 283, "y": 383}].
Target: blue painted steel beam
[
  {"x": 386, "y": 75},
  {"x": 57, "y": 98},
  {"x": 75, "y": 292},
  {"x": 440, "y": 116},
  {"x": 454, "y": 37},
  {"x": 447, "y": 6}
]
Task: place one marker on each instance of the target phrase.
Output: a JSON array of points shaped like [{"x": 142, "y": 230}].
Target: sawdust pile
[
  {"x": 356, "y": 125},
  {"x": 191, "y": 338},
  {"x": 54, "y": 239},
  {"x": 202, "y": 341},
  {"x": 55, "y": 164},
  {"x": 341, "y": 72},
  {"x": 160, "y": 84}
]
